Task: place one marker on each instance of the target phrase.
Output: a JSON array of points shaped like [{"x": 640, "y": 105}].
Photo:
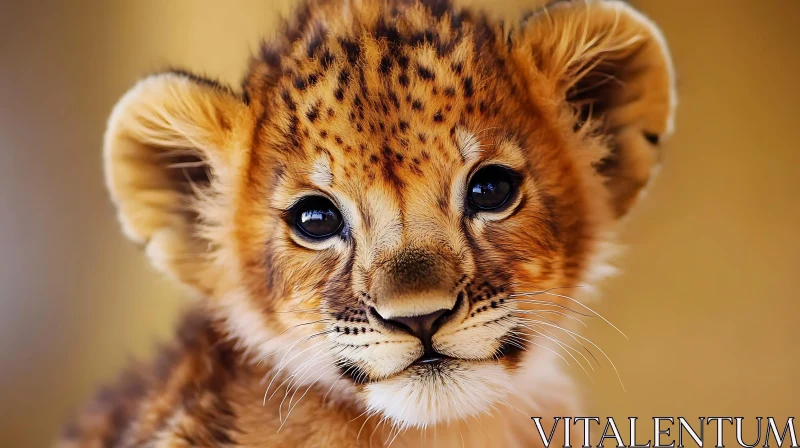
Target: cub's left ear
[
  {"x": 612, "y": 66},
  {"x": 172, "y": 150}
]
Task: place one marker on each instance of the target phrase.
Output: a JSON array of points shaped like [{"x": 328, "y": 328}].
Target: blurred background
[{"x": 708, "y": 292}]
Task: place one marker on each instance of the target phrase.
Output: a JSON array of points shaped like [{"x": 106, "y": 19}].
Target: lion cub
[{"x": 379, "y": 223}]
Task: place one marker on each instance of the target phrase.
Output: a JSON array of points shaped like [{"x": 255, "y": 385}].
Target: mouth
[
  {"x": 508, "y": 350},
  {"x": 431, "y": 359}
]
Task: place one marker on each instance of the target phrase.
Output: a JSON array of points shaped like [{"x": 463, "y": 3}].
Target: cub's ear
[
  {"x": 610, "y": 64},
  {"x": 172, "y": 147}
]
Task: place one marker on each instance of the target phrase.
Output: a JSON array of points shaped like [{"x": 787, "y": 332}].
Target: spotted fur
[{"x": 387, "y": 108}]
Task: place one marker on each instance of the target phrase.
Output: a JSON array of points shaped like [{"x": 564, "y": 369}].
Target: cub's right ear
[{"x": 172, "y": 149}]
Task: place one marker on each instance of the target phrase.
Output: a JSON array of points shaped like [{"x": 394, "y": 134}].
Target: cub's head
[{"x": 385, "y": 206}]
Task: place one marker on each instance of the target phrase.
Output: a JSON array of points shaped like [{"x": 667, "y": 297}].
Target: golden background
[{"x": 708, "y": 292}]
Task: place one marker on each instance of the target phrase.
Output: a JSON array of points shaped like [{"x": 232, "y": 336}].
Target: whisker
[
  {"x": 593, "y": 344},
  {"x": 305, "y": 365},
  {"x": 296, "y": 326},
  {"x": 332, "y": 386},
  {"x": 535, "y": 321},
  {"x": 528, "y": 341},
  {"x": 380, "y": 422},
  {"x": 292, "y": 344},
  {"x": 301, "y": 397},
  {"x": 372, "y": 414},
  {"x": 539, "y": 312},
  {"x": 542, "y": 291},
  {"x": 282, "y": 365},
  {"x": 563, "y": 296},
  {"x": 395, "y": 436},
  {"x": 295, "y": 379},
  {"x": 308, "y": 310},
  {"x": 562, "y": 346},
  {"x": 550, "y": 303},
  {"x": 554, "y": 323},
  {"x": 300, "y": 375},
  {"x": 566, "y": 348}
]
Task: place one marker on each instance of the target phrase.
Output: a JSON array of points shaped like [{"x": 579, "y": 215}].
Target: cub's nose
[{"x": 423, "y": 326}]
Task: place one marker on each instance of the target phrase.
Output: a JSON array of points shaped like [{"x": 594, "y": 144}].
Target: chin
[{"x": 424, "y": 395}]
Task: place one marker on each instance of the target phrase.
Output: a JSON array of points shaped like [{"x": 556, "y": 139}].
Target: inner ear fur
[
  {"x": 171, "y": 148},
  {"x": 611, "y": 66}
]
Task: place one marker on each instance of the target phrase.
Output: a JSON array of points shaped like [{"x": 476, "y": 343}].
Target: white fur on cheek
[
  {"x": 425, "y": 395},
  {"x": 291, "y": 352}
]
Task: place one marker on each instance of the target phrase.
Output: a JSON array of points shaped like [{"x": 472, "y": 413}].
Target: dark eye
[
  {"x": 491, "y": 187},
  {"x": 316, "y": 217}
]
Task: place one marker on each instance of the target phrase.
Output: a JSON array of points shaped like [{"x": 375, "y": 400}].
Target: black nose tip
[{"x": 423, "y": 326}]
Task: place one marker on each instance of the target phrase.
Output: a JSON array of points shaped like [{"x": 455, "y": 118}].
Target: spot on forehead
[
  {"x": 468, "y": 145},
  {"x": 321, "y": 174}
]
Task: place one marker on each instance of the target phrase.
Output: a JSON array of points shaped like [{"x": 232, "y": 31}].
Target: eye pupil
[
  {"x": 490, "y": 188},
  {"x": 317, "y": 217}
]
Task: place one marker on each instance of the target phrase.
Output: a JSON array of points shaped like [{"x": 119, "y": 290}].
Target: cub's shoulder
[{"x": 180, "y": 396}]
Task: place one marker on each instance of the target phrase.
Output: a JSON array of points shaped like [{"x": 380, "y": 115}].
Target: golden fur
[{"x": 386, "y": 108}]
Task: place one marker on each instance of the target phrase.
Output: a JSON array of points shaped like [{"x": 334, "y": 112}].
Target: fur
[{"x": 386, "y": 108}]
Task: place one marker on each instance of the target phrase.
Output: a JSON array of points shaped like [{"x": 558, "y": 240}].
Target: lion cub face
[{"x": 389, "y": 204}]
